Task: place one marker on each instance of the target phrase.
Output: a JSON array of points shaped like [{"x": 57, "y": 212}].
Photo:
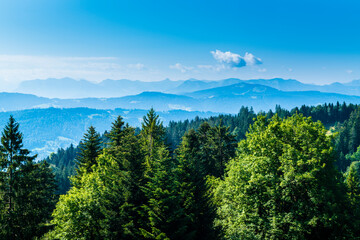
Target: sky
[{"x": 311, "y": 41}]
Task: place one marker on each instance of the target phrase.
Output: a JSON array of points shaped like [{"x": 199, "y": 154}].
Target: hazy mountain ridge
[
  {"x": 224, "y": 99},
  {"x": 70, "y": 88}
]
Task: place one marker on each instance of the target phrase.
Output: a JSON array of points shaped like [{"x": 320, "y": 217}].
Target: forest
[{"x": 283, "y": 174}]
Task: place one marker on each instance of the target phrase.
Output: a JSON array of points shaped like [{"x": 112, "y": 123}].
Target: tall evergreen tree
[
  {"x": 90, "y": 148},
  {"x": 26, "y": 188},
  {"x": 125, "y": 147},
  {"x": 116, "y": 133},
  {"x": 223, "y": 149},
  {"x": 166, "y": 218},
  {"x": 152, "y": 137},
  {"x": 194, "y": 191}
]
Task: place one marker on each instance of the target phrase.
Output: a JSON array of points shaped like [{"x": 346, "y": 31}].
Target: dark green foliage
[
  {"x": 64, "y": 165},
  {"x": 328, "y": 114},
  {"x": 166, "y": 218},
  {"x": 238, "y": 125},
  {"x": 191, "y": 174},
  {"x": 90, "y": 148},
  {"x": 125, "y": 147},
  {"x": 348, "y": 139},
  {"x": 26, "y": 188},
  {"x": 202, "y": 153}
]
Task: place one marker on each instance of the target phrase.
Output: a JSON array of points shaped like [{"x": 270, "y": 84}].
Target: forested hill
[
  {"x": 46, "y": 130},
  {"x": 285, "y": 171},
  {"x": 328, "y": 114}
]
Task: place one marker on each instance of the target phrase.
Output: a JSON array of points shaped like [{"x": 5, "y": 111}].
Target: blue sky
[{"x": 311, "y": 41}]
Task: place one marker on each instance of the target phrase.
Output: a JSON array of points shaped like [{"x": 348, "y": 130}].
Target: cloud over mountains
[{"x": 234, "y": 60}]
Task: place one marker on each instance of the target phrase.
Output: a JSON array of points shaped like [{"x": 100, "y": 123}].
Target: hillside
[{"x": 46, "y": 130}]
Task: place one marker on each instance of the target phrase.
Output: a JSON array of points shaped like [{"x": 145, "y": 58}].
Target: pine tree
[
  {"x": 26, "y": 188},
  {"x": 90, "y": 148}
]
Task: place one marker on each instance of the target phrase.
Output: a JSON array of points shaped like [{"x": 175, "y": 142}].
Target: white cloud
[
  {"x": 180, "y": 67},
  {"x": 234, "y": 60},
  {"x": 349, "y": 71}
]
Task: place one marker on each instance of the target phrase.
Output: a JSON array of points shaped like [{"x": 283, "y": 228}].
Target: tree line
[{"x": 280, "y": 181}]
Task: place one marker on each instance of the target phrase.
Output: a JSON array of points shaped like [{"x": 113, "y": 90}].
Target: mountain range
[
  {"x": 54, "y": 113},
  {"x": 225, "y": 97},
  {"x": 66, "y": 88}
]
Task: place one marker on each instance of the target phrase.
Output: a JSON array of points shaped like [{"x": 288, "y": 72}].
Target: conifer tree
[
  {"x": 152, "y": 137},
  {"x": 90, "y": 148},
  {"x": 166, "y": 218},
  {"x": 223, "y": 149},
  {"x": 194, "y": 191},
  {"x": 116, "y": 133},
  {"x": 26, "y": 188}
]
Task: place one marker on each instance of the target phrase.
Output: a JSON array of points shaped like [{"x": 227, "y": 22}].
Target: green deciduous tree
[
  {"x": 352, "y": 181},
  {"x": 26, "y": 188},
  {"x": 283, "y": 184}
]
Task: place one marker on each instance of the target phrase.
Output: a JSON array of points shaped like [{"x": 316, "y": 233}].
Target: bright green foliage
[
  {"x": 152, "y": 138},
  {"x": 90, "y": 148},
  {"x": 26, "y": 188},
  {"x": 105, "y": 202},
  {"x": 87, "y": 210},
  {"x": 283, "y": 184},
  {"x": 352, "y": 180}
]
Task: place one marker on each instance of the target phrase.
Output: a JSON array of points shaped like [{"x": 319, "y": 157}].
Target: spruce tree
[
  {"x": 194, "y": 191},
  {"x": 223, "y": 148},
  {"x": 26, "y": 188},
  {"x": 152, "y": 137},
  {"x": 90, "y": 148},
  {"x": 166, "y": 218},
  {"x": 116, "y": 133}
]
